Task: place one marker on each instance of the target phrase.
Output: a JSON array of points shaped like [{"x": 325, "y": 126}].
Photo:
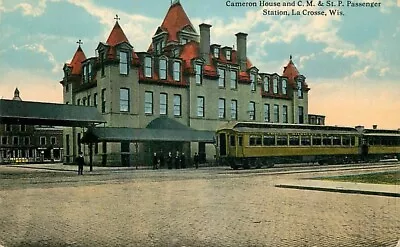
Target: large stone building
[
  {"x": 182, "y": 77},
  {"x": 21, "y": 143}
]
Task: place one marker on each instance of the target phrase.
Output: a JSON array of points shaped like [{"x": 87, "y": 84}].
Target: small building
[
  {"x": 316, "y": 119},
  {"x": 21, "y": 143}
]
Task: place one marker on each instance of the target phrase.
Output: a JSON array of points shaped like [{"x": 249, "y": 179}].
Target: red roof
[
  {"x": 76, "y": 62},
  {"x": 290, "y": 71},
  {"x": 175, "y": 20},
  {"x": 117, "y": 35}
]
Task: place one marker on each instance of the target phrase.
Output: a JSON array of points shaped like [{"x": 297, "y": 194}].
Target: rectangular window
[
  {"x": 102, "y": 63},
  {"x": 177, "y": 71},
  {"x": 301, "y": 115},
  {"x": 284, "y": 87},
  {"x": 147, "y": 67},
  {"x": 200, "y": 106},
  {"x": 15, "y": 140},
  {"x": 275, "y": 85},
  {"x": 252, "y": 110},
  {"x": 232, "y": 140},
  {"x": 216, "y": 52},
  {"x": 177, "y": 105},
  {"x": 234, "y": 109},
  {"x": 199, "y": 74},
  {"x": 88, "y": 100},
  {"x": 316, "y": 140},
  {"x": 294, "y": 141},
  {"x": 266, "y": 84},
  {"x": 285, "y": 114},
  {"x": 89, "y": 72},
  {"x": 7, "y": 127},
  {"x": 163, "y": 69},
  {"x": 123, "y": 63},
  {"x": 27, "y": 140},
  {"x": 42, "y": 140},
  {"x": 253, "y": 82},
  {"x": 228, "y": 55},
  {"x": 266, "y": 112},
  {"x": 281, "y": 140},
  {"x": 276, "y": 113},
  {"x": 269, "y": 140},
  {"x": 84, "y": 75},
  {"x": 53, "y": 140},
  {"x": 4, "y": 140},
  {"x": 255, "y": 141},
  {"x": 327, "y": 140},
  {"x": 124, "y": 99},
  {"x": 233, "y": 79},
  {"x": 22, "y": 127},
  {"x": 299, "y": 89},
  {"x": 221, "y": 108},
  {"x": 148, "y": 102},
  {"x": 103, "y": 100},
  {"x": 221, "y": 80},
  {"x": 163, "y": 104},
  {"x": 95, "y": 99},
  {"x": 305, "y": 140}
]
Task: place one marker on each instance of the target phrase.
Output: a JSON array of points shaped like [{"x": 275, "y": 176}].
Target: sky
[{"x": 351, "y": 62}]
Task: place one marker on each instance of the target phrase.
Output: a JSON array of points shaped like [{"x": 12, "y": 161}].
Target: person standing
[
  {"x": 169, "y": 160},
  {"x": 177, "y": 160},
  {"x": 155, "y": 161},
  {"x": 80, "y": 161},
  {"x": 183, "y": 161},
  {"x": 196, "y": 160}
]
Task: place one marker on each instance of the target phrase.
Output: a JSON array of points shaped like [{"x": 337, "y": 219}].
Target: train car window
[
  {"x": 294, "y": 140},
  {"x": 269, "y": 140},
  {"x": 316, "y": 140},
  {"x": 305, "y": 140},
  {"x": 326, "y": 140},
  {"x": 258, "y": 141},
  {"x": 252, "y": 140},
  {"x": 336, "y": 141},
  {"x": 281, "y": 140},
  {"x": 240, "y": 140},
  {"x": 232, "y": 141},
  {"x": 346, "y": 141},
  {"x": 353, "y": 141}
]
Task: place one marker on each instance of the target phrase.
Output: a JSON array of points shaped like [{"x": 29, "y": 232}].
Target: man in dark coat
[
  {"x": 169, "y": 160},
  {"x": 183, "y": 161},
  {"x": 177, "y": 160},
  {"x": 155, "y": 161},
  {"x": 196, "y": 160},
  {"x": 80, "y": 161}
]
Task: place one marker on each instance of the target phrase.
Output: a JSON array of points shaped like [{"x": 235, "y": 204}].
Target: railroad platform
[{"x": 342, "y": 187}]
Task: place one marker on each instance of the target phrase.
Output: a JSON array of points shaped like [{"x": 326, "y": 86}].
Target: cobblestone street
[{"x": 186, "y": 208}]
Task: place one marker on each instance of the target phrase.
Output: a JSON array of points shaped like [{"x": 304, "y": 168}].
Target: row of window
[
  {"x": 162, "y": 69},
  {"x": 296, "y": 140},
  {"x": 228, "y": 53},
  {"x": 26, "y": 140},
  {"x": 9, "y": 127}
]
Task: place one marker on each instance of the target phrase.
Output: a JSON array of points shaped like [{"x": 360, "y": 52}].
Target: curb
[{"x": 348, "y": 191}]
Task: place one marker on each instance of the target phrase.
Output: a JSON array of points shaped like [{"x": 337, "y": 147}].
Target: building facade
[
  {"x": 182, "y": 76},
  {"x": 30, "y": 144}
]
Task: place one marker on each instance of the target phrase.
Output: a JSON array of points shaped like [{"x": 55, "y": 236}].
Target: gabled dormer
[
  {"x": 215, "y": 50},
  {"x": 227, "y": 53}
]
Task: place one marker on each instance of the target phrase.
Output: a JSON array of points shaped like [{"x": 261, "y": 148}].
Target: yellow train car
[
  {"x": 246, "y": 144},
  {"x": 381, "y": 144}
]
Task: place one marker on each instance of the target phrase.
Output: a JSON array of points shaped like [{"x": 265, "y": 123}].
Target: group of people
[{"x": 178, "y": 161}]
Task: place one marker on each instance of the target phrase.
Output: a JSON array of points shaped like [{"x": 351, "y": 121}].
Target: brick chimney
[
  {"x": 241, "y": 43},
  {"x": 205, "y": 42}
]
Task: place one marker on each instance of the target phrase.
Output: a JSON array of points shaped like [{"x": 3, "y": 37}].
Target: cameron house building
[{"x": 182, "y": 83}]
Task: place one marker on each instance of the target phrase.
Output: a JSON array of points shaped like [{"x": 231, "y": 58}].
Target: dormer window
[
  {"x": 275, "y": 85},
  {"x": 284, "y": 87},
  {"x": 158, "y": 48},
  {"x": 299, "y": 89},
  {"x": 147, "y": 67},
  {"x": 101, "y": 55},
  {"x": 253, "y": 81},
  {"x": 176, "y": 52},
  {"x": 177, "y": 71},
  {"x": 184, "y": 41},
  {"x": 266, "y": 84},
  {"x": 228, "y": 55},
  {"x": 216, "y": 52},
  {"x": 123, "y": 63},
  {"x": 163, "y": 69},
  {"x": 199, "y": 74},
  {"x": 87, "y": 72}
]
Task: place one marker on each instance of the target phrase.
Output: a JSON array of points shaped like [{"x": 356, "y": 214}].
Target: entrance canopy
[
  {"x": 51, "y": 114},
  {"x": 160, "y": 129}
]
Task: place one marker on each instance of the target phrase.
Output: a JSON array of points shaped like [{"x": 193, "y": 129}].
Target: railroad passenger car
[{"x": 247, "y": 144}]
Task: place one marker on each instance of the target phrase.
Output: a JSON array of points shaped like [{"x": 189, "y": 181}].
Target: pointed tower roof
[
  {"x": 290, "y": 71},
  {"x": 175, "y": 20},
  {"x": 117, "y": 35},
  {"x": 16, "y": 95},
  {"x": 76, "y": 62}
]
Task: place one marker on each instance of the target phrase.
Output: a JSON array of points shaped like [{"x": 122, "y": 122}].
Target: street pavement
[{"x": 49, "y": 205}]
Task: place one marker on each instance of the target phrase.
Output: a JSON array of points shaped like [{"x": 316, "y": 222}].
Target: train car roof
[{"x": 251, "y": 126}]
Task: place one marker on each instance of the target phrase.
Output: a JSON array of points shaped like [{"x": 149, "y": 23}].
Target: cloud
[
  {"x": 33, "y": 85},
  {"x": 34, "y": 8},
  {"x": 39, "y": 48}
]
